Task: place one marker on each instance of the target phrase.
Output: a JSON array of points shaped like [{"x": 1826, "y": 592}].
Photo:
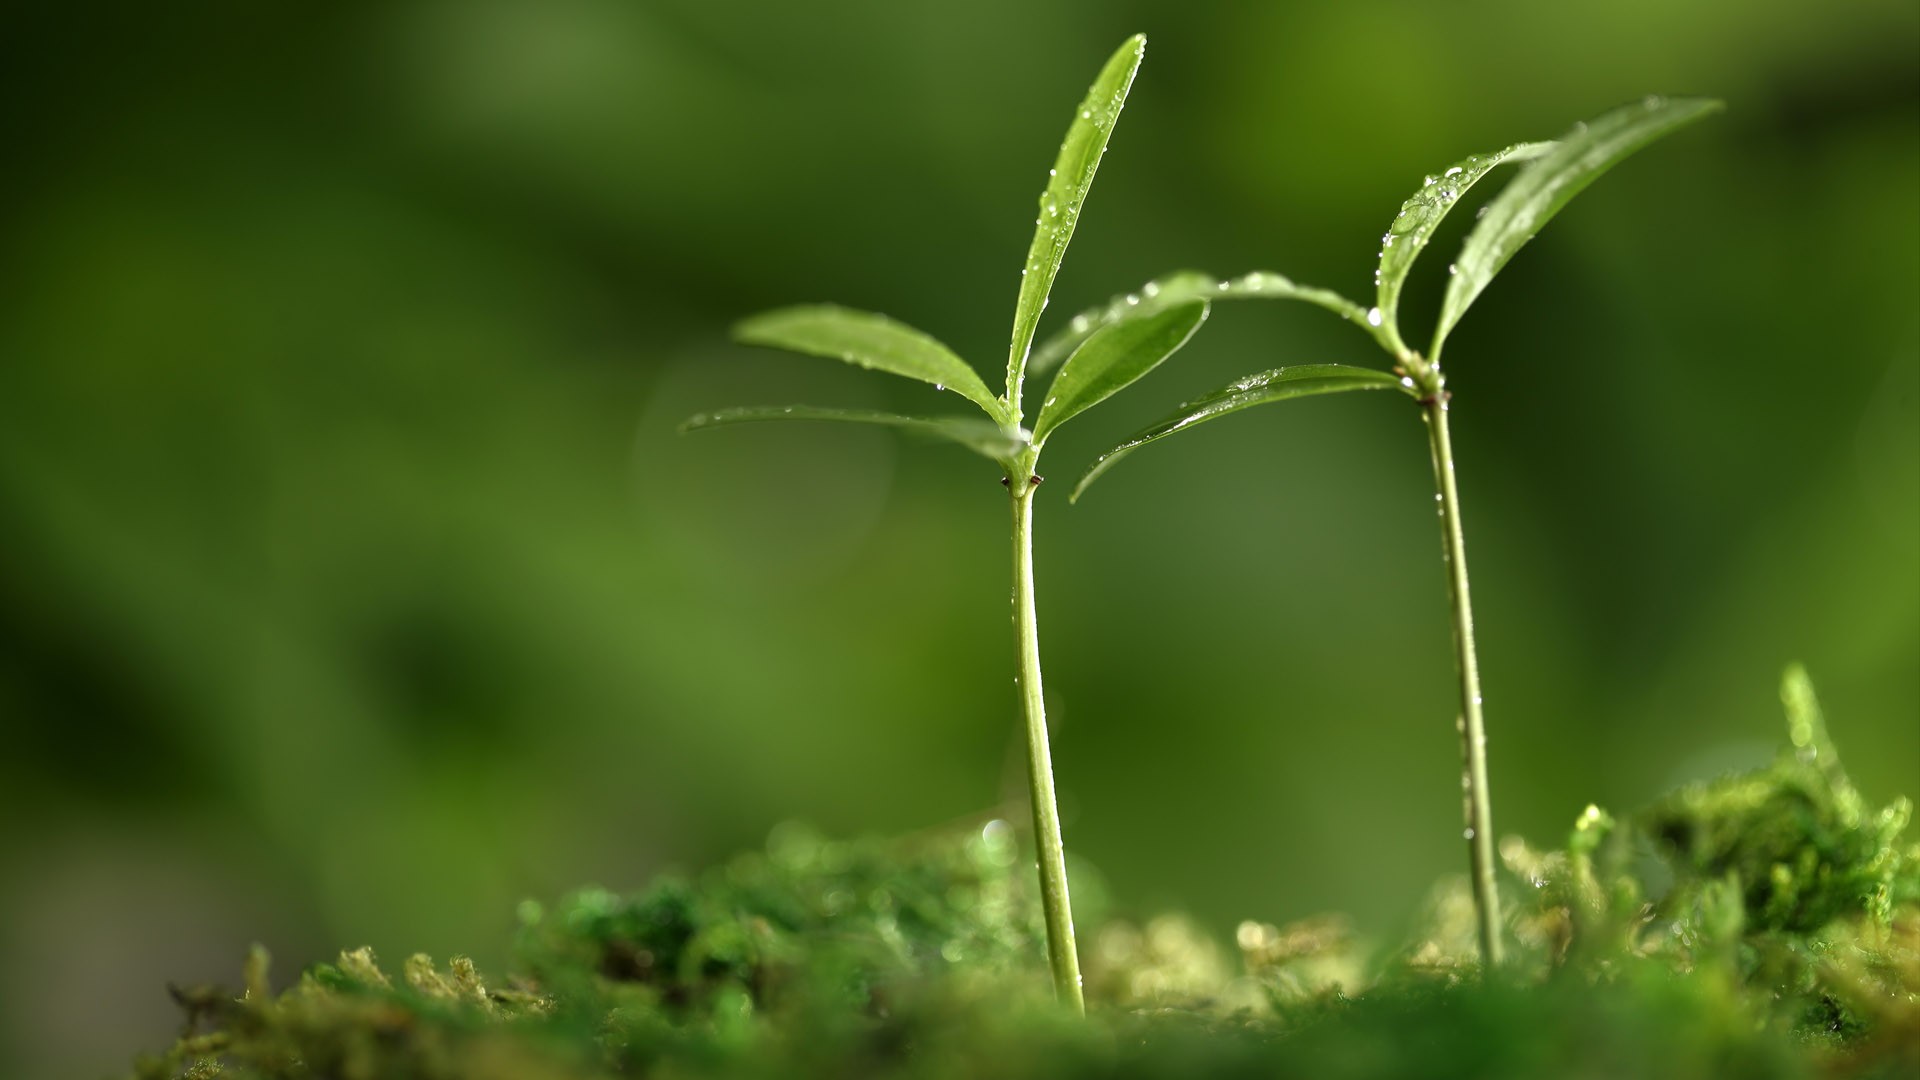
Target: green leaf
[
  {"x": 1178, "y": 288},
  {"x": 1112, "y": 359},
  {"x": 871, "y": 341},
  {"x": 1070, "y": 177},
  {"x": 1548, "y": 184},
  {"x": 1421, "y": 215},
  {"x": 981, "y": 436},
  {"x": 1279, "y": 384}
]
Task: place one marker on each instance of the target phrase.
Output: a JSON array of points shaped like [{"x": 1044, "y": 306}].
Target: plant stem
[
  {"x": 1473, "y": 730},
  {"x": 1061, "y": 956}
]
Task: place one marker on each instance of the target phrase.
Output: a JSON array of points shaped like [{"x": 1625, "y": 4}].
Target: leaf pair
[
  {"x": 877, "y": 342},
  {"x": 1099, "y": 362},
  {"x": 1553, "y": 174}
]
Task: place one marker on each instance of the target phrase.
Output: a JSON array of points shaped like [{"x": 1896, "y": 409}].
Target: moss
[
  {"x": 1764, "y": 925},
  {"x": 1797, "y": 841}
]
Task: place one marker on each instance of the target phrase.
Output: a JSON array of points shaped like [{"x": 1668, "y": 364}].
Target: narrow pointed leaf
[
  {"x": 1155, "y": 296},
  {"x": 983, "y": 437},
  {"x": 1280, "y": 384},
  {"x": 1069, "y": 180},
  {"x": 1180, "y": 287},
  {"x": 870, "y": 341},
  {"x": 1112, "y": 359},
  {"x": 1549, "y": 183},
  {"x": 1421, "y": 214}
]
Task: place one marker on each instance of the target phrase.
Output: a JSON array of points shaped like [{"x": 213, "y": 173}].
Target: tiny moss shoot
[
  {"x": 1552, "y": 175},
  {"x": 1099, "y": 365}
]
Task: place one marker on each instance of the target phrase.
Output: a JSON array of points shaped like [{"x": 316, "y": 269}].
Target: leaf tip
[
  {"x": 1704, "y": 104},
  {"x": 1687, "y": 109},
  {"x": 750, "y": 330},
  {"x": 769, "y": 327},
  {"x": 1100, "y": 465}
]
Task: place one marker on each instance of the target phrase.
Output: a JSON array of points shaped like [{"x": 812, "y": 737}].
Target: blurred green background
[{"x": 353, "y": 584}]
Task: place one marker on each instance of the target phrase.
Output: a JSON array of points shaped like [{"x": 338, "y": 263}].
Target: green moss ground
[{"x": 1763, "y": 925}]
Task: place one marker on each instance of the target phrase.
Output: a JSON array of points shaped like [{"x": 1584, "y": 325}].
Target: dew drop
[
  {"x": 939, "y": 386},
  {"x": 1468, "y": 834},
  {"x": 1373, "y": 317},
  {"x": 1455, "y": 171}
]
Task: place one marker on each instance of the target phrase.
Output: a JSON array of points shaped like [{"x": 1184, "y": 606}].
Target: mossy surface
[{"x": 1763, "y": 925}]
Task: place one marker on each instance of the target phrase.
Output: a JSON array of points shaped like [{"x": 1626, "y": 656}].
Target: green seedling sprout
[
  {"x": 1098, "y": 365},
  {"x": 1552, "y": 175}
]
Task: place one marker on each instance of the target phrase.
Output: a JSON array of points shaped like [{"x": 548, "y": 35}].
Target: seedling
[
  {"x": 1099, "y": 364},
  {"x": 1553, "y": 174}
]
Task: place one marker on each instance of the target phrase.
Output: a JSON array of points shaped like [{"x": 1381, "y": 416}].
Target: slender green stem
[
  {"x": 1061, "y": 956},
  {"x": 1473, "y": 730}
]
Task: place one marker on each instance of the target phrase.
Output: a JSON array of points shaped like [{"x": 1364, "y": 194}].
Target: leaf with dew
[
  {"x": 1548, "y": 184},
  {"x": 1067, "y": 186},
  {"x": 1114, "y": 358},
  {"x": 983, "y": 437},
  {"x": 1178, "y": 288},
  {"x": 1421, "y": 214},
  {"x": 869, "y": 341},
  {"x": 1280, "y": 384}
]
